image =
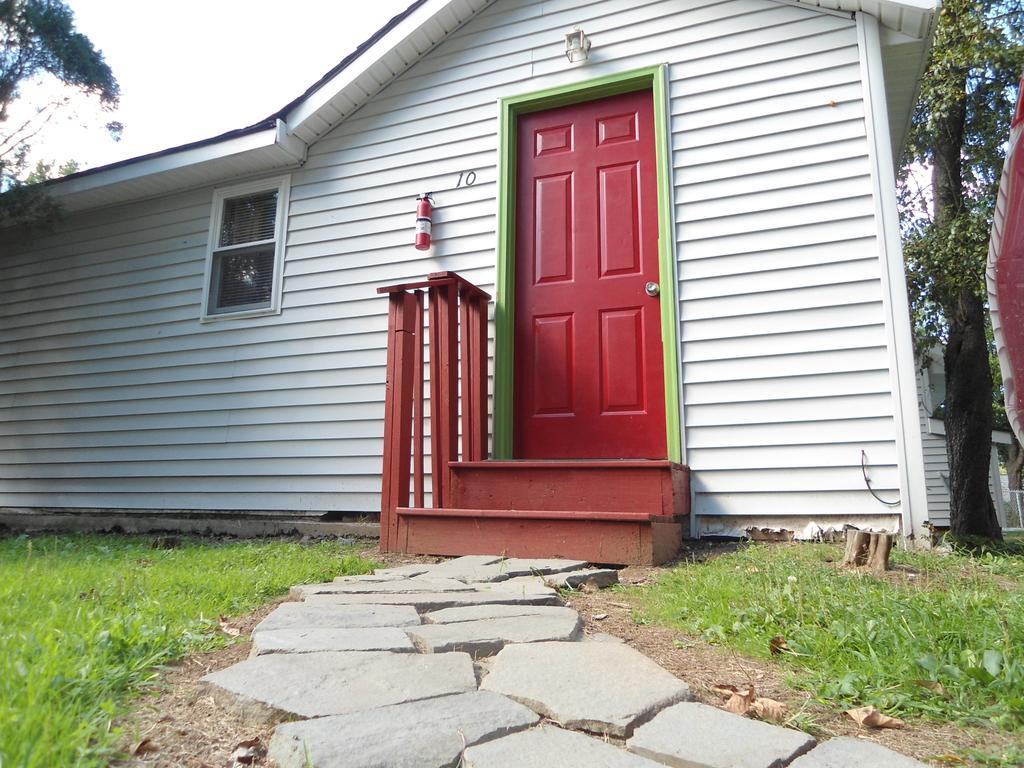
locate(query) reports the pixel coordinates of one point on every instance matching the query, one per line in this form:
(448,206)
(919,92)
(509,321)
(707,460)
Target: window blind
(248,219)
(243,278)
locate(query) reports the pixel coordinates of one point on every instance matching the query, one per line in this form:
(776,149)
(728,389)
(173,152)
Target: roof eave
(355,80)
(248,152)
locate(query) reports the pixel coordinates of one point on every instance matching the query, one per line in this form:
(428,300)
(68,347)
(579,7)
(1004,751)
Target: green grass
(947,644)
(86,620)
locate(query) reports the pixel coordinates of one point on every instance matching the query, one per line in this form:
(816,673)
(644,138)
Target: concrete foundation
(230,523)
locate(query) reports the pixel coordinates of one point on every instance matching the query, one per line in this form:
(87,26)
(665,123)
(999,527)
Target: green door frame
(654,79)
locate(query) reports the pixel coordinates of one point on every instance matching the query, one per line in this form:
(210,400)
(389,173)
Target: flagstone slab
(524,566)
(429,601)
(482,569)
(600,687)
(371,577)
(692,735)
(491,611)
(387,587)
(312,640)
(546,747)
(844,752)
(519,585)
(403,571)
(421,734)
(598,578)
(488,636)
(469,568)
(602,637)
(306,615)
(284,686)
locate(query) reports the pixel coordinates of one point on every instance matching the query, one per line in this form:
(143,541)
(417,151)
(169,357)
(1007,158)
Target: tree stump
(870,549)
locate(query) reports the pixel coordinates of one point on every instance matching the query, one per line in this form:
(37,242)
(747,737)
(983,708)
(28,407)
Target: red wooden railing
(458,316)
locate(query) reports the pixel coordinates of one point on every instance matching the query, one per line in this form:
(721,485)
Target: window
(244,260)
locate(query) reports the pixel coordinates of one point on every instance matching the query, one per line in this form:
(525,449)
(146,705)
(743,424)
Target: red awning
(1005,273)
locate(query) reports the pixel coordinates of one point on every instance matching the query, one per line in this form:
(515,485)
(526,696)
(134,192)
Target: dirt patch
(178,725)
(186,729)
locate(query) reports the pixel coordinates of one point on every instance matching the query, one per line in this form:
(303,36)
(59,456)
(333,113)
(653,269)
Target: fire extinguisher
(424,214)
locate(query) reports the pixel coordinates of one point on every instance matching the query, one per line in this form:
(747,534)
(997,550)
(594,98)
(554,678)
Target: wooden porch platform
(627,512)
(600,510)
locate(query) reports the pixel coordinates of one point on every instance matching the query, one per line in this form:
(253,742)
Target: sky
(190,69)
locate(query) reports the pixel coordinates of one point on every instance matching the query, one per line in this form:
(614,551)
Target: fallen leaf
(747,702)
(932,685)
(741,702)
(872,718)
(227,629)
(245,752)
(145,746)
(769,709)
(778,645)
(599,616)
(725,691)
(619,605)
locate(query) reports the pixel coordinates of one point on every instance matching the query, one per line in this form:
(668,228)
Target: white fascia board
(292,148)
(316,101)
(930,6)
(857,6)
(168,162)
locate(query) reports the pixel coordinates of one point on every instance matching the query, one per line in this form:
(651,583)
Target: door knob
(652,289)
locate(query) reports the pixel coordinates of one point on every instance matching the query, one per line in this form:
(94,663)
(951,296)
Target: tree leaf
(778,645)
(246,752)
(769,709)
(992,661)
(932,685)
(227,629)
(741,702)
(980,674)
(725,691)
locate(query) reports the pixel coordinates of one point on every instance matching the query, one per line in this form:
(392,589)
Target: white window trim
(283,186)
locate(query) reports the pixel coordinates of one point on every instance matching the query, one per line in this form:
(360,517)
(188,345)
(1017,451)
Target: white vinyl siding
(936,464)
(116,396)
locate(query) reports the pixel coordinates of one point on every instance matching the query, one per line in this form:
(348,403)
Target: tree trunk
(857,543)
(968,420)
(1014,464)
(870,549)
(968,404)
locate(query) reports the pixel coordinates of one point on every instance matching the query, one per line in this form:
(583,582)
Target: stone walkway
(476,662)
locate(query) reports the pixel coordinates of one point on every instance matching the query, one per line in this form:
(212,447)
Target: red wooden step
(634,488)
(598,537)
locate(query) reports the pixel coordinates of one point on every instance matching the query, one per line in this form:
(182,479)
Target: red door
(589,372)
